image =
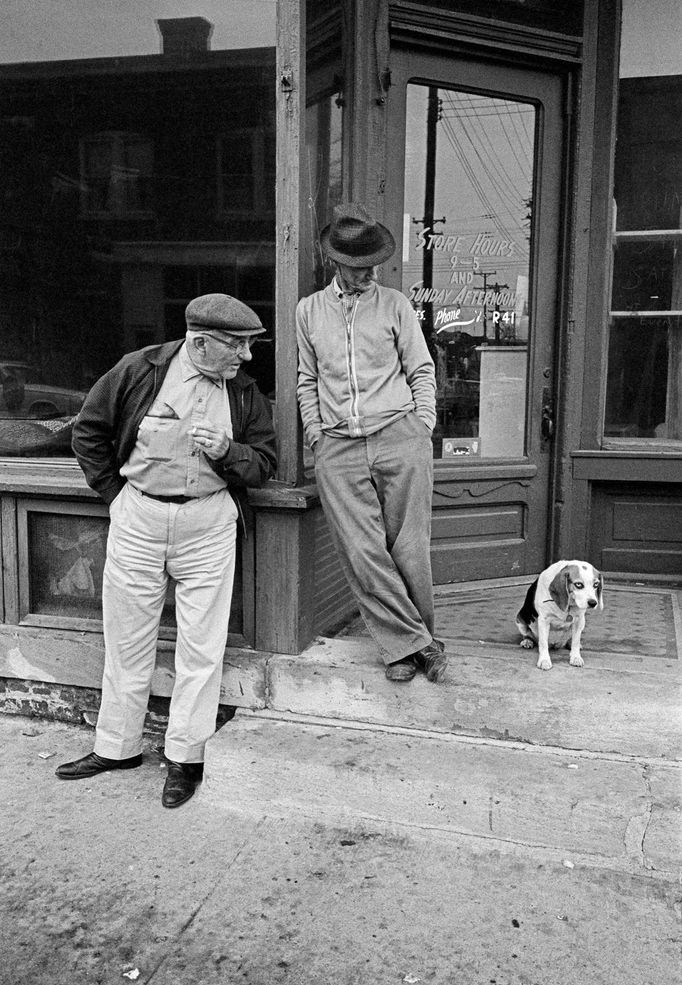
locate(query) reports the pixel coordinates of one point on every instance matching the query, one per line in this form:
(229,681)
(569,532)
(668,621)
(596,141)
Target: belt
(168,499)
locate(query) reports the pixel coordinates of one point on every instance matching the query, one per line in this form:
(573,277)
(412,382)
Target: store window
(644,376)
(136,170)
(116,172)
(469,172)
(323,176)
(246,171)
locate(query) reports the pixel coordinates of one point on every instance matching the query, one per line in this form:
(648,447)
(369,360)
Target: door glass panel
(469,166)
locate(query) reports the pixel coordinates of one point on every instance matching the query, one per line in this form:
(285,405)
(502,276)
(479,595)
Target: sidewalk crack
(197,909)
(638,826)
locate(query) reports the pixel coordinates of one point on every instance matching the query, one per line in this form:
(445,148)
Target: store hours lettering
(465,297)
(484,245)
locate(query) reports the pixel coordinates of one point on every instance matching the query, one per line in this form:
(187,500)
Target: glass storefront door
(466,260)
(477,191)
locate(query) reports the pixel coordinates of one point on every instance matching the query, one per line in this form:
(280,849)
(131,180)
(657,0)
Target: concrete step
(615,704)
(577,809)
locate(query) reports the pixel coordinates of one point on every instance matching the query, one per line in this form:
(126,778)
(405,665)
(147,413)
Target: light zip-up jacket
(361,365)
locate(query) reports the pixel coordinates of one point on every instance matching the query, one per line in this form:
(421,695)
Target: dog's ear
(600,589)
(558,588)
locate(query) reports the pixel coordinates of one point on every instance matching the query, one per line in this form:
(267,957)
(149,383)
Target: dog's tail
(528,613)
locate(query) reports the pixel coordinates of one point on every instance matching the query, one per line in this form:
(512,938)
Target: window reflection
(136,171)
(644,374)
(638,401)
(323,176)
(466,256)
(644,378)
(116,172)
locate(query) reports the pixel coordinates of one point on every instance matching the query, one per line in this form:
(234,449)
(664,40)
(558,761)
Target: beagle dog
(555,608)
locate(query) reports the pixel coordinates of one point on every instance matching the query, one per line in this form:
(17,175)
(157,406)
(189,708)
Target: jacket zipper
(350,357)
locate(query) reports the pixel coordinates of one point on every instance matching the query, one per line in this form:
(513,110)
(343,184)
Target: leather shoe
(432,660)
(180,783)
(92,764)
(402,670)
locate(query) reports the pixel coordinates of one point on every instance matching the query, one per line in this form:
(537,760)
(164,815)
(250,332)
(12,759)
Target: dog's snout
(592,603)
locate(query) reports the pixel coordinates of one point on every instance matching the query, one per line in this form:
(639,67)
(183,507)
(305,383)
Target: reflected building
(130,186)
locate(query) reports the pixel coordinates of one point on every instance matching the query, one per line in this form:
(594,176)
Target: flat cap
(221,313)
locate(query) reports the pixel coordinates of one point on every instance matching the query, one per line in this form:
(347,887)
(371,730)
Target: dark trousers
(376,493)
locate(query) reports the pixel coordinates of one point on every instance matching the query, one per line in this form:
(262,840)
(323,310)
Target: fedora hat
(356,239)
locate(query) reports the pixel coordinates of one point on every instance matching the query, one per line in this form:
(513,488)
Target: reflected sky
(651,35)
(43,30)
(482,185)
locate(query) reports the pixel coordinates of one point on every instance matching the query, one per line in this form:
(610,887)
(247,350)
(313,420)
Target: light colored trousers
(376,493)
(149,541)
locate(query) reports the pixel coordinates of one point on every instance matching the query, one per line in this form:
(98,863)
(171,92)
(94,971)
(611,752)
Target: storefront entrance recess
(476,189)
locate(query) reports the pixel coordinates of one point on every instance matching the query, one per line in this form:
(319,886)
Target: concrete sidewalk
(370,858)
(510,826)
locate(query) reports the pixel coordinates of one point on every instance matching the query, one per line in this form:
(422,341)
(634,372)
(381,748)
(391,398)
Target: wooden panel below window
(479,523)
(478,539)
(637,529)
(652,521)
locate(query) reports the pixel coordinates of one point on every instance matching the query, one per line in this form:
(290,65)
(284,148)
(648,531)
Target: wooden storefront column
(367,84)
(284,567)
(290,112)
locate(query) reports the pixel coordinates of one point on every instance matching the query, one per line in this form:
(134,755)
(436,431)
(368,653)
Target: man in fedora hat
(165,438)
(366,390)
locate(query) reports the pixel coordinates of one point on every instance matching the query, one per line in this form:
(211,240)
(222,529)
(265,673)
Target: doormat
(639,622)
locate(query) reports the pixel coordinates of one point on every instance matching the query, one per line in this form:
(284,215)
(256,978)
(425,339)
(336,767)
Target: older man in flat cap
(165,437)
(366,390)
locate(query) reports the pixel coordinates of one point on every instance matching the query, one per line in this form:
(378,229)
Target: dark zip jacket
(105,430)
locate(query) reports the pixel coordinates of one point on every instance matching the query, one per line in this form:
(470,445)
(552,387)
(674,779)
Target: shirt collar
(345,295)
(188,371)
(341,294)
(337,288)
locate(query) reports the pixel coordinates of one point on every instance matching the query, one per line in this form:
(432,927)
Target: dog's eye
(578,584)
(595,584)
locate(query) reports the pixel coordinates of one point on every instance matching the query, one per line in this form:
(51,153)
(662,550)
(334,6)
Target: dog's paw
(576,660)
(544,663)
(527,643)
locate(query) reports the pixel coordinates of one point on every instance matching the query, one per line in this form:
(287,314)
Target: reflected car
(24,393)
(36,418)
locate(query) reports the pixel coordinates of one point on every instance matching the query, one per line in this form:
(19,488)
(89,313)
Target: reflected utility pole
(485,274)
(432,117)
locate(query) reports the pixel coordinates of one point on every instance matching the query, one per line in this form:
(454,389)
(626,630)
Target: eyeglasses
(237,346)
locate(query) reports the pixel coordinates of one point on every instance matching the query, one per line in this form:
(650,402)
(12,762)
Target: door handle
(547,422)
